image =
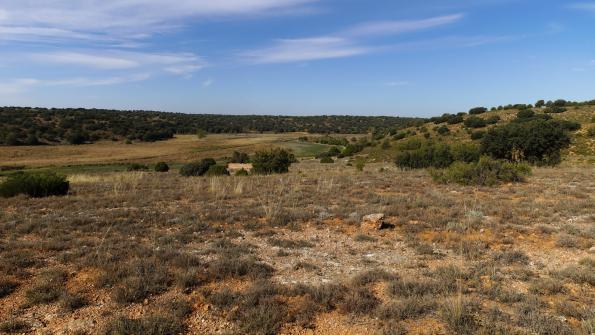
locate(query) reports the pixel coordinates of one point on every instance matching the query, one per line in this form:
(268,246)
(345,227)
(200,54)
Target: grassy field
(149,253)
(113,156)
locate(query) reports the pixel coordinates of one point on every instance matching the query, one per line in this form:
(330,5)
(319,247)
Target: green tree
(272,161)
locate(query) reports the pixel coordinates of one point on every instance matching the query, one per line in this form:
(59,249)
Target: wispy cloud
(299,50)
(24,84)
(346,43)
(131,19)
(208,83)
(177,64)
(400,27)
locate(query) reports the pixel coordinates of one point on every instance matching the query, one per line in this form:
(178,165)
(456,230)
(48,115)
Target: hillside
(581,149)
(34,126)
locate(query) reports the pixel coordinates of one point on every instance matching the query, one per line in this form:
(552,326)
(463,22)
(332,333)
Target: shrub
(77,138)
(555,110)
(327,160)
(591,131)
(537,141)
(525,114)
(427,155)
(137,167)
(35,185)
(493,119)
(272,161)
(456,119)
(475,122)
(217,170)
(477,110)
(161,167)
(197,168)
(478,134)
(443,130)
(465,152)
(240,157)
(486,172)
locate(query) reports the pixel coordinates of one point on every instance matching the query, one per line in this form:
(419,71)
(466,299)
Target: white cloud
(24,84)
(75,58)
(208,83)
(346,43)
(299,50)
(404,26)
(177,64)
(131,19)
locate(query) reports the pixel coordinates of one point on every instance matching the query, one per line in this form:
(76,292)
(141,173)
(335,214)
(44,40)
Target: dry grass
(182,148)
(154,253)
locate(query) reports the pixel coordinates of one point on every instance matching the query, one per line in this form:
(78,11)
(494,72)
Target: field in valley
(157,253)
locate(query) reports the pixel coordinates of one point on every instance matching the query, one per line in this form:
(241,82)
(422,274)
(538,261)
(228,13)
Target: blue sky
(295,57)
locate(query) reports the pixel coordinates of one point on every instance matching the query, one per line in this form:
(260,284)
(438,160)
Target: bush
(537,141)
(456,119)
(477,110)
(478,134)
(465,152)
(475,122)
(486,172)
(161,167)
(240,158)
(493,119)
(327,160)
(525,114)
(197,168)
(217,170)
(555,110)
(137,167)
(427,155)
(35,185)
(443,130)
(591,131)
(272,161)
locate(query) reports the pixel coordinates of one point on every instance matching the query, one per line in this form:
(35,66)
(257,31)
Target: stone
(373,221)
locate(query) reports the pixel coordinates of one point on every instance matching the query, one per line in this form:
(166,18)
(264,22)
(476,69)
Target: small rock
(592,250)
(373,221)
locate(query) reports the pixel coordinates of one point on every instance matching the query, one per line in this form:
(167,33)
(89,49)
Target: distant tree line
(34,126)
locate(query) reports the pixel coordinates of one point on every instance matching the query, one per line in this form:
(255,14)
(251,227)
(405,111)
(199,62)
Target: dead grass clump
(47,288)
(224,267)
(409,308)
(567,241)
(73,301)
(530,316)
(417,288)
(512,257)
(142,278)
(364,238)
(458,314)
(302,265)
(547,286)
(578,274)
(149,325)
(371,277)
(359,301)
(222,299)
(13,325)
(290,244)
